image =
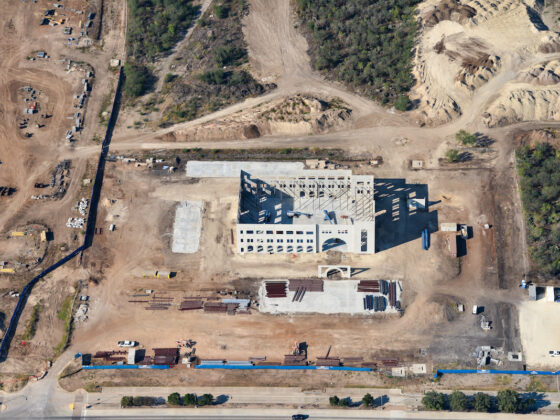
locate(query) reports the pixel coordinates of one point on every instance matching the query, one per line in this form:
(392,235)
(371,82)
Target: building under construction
(306,212)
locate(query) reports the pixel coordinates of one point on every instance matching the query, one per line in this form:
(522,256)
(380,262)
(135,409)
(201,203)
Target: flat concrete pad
(187,227)
(338,297)
(223,169)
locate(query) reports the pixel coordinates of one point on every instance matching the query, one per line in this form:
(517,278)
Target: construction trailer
(163,274)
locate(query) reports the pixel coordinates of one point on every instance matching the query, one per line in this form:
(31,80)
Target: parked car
(554,353)
(127,343)
(299,417)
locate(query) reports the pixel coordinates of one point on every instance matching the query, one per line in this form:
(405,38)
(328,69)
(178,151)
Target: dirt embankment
(533,96)
(297,115)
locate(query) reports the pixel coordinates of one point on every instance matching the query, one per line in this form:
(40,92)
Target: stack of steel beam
(312,285)
(215,307)
(275,289)
(368,286)
(393,294)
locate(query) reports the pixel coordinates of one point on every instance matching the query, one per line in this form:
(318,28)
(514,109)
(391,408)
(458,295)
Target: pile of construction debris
(82,206)
(487,354)
(76,223)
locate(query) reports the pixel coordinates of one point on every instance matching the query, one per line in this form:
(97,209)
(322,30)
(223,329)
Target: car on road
(299,417)
(554,353)
(127,343)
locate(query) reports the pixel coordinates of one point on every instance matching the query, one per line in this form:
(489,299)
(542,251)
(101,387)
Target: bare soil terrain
(140,202)
(31,150)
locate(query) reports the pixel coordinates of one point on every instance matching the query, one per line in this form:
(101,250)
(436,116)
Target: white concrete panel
(187,227)
(232,169)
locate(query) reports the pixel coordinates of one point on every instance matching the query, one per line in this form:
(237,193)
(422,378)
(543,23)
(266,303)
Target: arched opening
(336,244)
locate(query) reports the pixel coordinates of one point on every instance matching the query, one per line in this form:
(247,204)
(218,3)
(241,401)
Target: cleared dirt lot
(30,159)
(432,281)
(537,335)
(141,204)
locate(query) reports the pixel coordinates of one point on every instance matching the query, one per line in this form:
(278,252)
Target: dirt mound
(550,44)
(542,74)
(476,73)
(448,10)
(519,104)
(297,115)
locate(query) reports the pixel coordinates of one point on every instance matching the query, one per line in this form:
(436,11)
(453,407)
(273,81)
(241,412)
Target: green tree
(367,400)
(452,155)
(482,402)
(169,77)
(213,77)
(190,399)
(402,103)
(221,11)
(126,401)
(458,401)
(334,401)
(433,400)
(206,399)
(344,402)
(465,138)
(174,399)
(508,401)
(136,80)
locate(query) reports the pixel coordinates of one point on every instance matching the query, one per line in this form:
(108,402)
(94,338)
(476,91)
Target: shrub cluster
(507,401)
(367,45)
(154,26)
(539,171)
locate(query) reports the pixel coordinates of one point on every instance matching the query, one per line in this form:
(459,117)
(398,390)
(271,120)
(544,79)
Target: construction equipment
(296,351)
(485,324)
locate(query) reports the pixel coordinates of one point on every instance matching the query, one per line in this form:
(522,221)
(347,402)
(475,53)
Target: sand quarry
(477,55)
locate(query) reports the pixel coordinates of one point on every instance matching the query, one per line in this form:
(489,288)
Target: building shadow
(395,223)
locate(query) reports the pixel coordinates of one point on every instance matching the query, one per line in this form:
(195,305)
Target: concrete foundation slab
(187,227)
(232,169)
(339,296)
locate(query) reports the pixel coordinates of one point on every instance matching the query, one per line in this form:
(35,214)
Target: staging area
(330,297)
(428,283)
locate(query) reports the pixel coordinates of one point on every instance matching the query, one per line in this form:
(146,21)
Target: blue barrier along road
(281,367)
(497,372)
(108,367)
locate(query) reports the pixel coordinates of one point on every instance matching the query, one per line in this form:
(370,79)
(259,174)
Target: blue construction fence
(108,367)
(281,367)
(440,372)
